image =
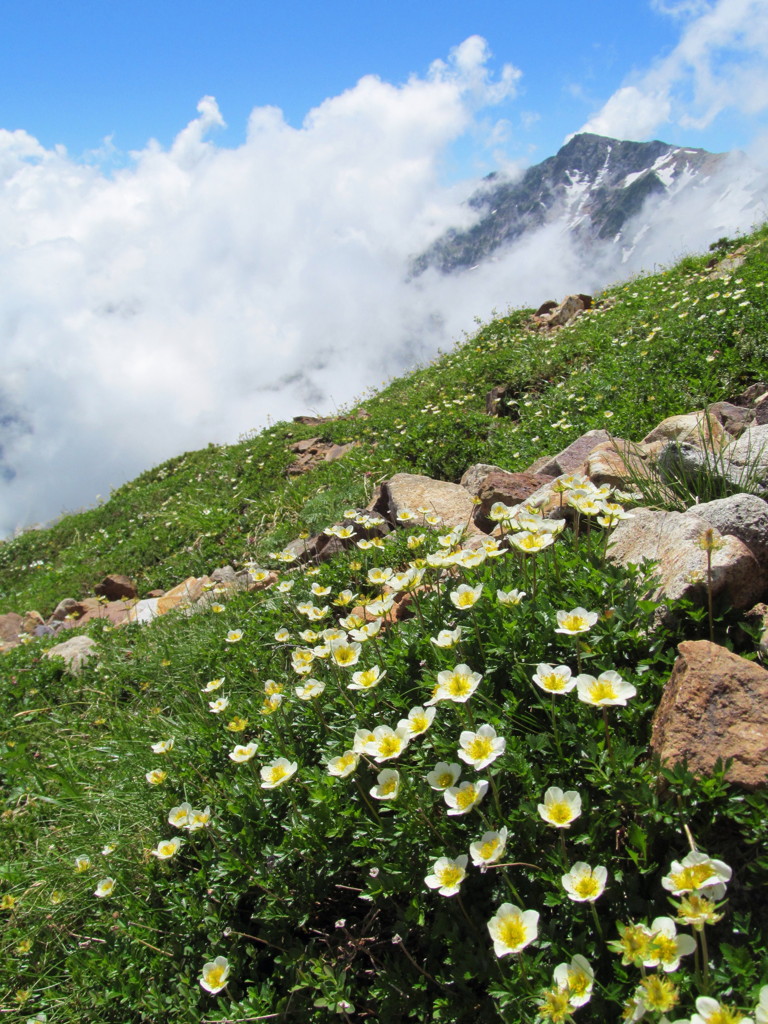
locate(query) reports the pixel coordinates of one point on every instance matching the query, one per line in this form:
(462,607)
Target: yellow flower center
(512,932)
(389,746)
(555,1005)
(445,780)
(450,875)
(345,656)
(459,686)
(277,772)
(388,787)
(560,813)
(465,798)
(466,599)
(553,681)
(368,677)
(725,1015)
(480,747)
(587,886)
(215,976)
(659,994)
(692,877)
(574,623)
(665,948)
(488,849)
(602,689)
(419,723)
(578,983)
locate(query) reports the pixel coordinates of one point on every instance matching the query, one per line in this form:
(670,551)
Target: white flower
(444,775)
(447,637)
(461,799)
(489,849)
(214,684)
(585,884)
(241,754)
(465,596)
(761,1010)
(418,721)
(368,679)
(282,635)
(447,875)
(387,785)
(512,929)
(345,654)
(277,772)
(554,679)
(104,888)
(482,747)
(217,706)
(198,819)
(179,816)
(577,978)
(163,747)
(310,690)
(666,948)
(697,871)
(608,689)
(343,765)
(710,1011)
(233,636)
(560,809)
(457,684)
(510,597)
(577,621)
(168,848)
(531,543)
(215,975)
(388,743)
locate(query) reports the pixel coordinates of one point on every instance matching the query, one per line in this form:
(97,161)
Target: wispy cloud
(719,64)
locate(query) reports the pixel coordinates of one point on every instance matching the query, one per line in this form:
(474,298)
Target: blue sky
(252,261)
(75,72)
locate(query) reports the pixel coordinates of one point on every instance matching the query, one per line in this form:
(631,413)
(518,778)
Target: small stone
(116,586)
(76,652)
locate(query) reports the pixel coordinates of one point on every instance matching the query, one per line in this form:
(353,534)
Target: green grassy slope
(316,891)
(671,343)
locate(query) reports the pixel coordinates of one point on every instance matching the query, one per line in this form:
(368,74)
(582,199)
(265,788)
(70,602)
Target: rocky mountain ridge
(593,186)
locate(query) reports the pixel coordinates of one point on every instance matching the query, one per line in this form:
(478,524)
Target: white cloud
(199,290)
(719,64)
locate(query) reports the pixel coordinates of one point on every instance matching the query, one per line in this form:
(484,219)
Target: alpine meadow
(370,764)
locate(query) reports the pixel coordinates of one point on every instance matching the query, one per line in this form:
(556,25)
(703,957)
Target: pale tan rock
(618,463)
(76,652)
(451,502)
(714,706)
(183,595)
(673,540)
(697,428)
(31,621)
(10,627)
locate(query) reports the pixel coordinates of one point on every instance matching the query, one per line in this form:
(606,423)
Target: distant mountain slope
(594,185)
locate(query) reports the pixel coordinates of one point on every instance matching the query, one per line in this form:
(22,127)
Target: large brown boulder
(116,587)
(508,488)
(714,706)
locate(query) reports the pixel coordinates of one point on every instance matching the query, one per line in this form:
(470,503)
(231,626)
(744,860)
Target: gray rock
(674,541)
(747,458)
(476,475)
(75,652)
(742,515)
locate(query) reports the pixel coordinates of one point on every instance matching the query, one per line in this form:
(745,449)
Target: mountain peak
(594,185)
